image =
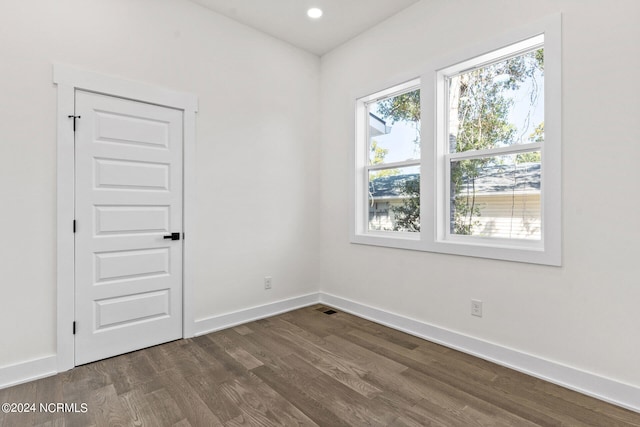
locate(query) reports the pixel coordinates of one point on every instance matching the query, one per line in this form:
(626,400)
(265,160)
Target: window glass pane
(496,197)
(394,199)
(394,128)
(497,105)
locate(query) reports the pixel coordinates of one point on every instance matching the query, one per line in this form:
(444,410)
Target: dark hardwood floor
(304,368)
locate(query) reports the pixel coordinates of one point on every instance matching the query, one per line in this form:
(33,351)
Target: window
(493,122)
(389,148)
(487,182)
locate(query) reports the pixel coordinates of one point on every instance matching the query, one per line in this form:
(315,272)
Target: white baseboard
(608,390)
(28,371)
(228,320)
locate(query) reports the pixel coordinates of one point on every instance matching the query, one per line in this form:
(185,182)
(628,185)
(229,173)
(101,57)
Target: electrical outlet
(476,307)
(267,282)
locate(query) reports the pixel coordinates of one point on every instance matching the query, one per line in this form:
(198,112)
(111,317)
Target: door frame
(69,79)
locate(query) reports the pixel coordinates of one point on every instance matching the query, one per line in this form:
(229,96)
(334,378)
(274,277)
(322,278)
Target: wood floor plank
(333,364)
(316,322)
(454,406)
(198,360)
(509,403)
(243,330)
(449,373)
(268,342)
(577,412)
(129,371)
(315,410)
(233,346)
(482,370)
(354,408)
(409,358)
(171,356)
(351,407)
(57,422)
(162,404)
(363,356)
(191,403)
(261,404)
(296,371)
(370,340)
(106,409)
(217,402)
(134,404)
(390,335)
(381,372)
(231,366)
(307,368)
(258,345)
(414,415)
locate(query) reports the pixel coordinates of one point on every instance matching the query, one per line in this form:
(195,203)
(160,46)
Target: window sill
(526,252)
(389,239)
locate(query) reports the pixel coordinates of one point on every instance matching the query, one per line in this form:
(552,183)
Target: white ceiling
(288,21)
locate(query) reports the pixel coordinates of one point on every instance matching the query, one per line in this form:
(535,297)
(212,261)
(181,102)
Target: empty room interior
(400,212)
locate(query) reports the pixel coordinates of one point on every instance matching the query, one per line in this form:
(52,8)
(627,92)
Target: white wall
(584,314)
(257,147)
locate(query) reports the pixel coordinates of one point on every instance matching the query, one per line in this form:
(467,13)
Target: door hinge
(74,225)
(74,120)
(74,327)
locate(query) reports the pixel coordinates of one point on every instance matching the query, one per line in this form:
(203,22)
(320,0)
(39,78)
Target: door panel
(126,129)
(129,309)
(131,219)
(128,197)
(131,264)
(131,175)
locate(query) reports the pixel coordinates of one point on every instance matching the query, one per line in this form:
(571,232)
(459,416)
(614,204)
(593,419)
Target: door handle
(173,236)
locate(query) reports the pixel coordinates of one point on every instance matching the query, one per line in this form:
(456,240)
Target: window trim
(546,251)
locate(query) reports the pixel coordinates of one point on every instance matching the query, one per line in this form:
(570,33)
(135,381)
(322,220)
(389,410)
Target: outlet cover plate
(476,308)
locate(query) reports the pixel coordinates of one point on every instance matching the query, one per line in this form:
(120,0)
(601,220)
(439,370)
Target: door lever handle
(173,236)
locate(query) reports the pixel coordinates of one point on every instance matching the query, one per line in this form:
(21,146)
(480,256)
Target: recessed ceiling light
(314,13)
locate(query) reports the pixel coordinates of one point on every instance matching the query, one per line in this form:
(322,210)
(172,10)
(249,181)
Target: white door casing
(137,305)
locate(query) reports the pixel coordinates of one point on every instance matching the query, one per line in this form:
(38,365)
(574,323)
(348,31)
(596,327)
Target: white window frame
(443,170)
(361,232)
(434,233)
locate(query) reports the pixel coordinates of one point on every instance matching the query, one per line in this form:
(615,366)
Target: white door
(128,271)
